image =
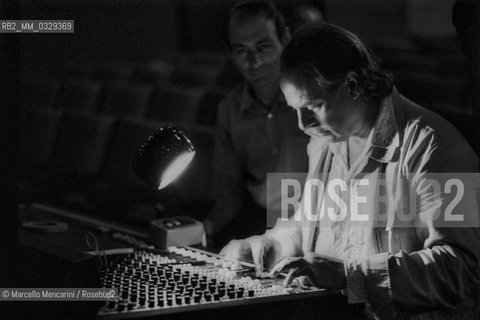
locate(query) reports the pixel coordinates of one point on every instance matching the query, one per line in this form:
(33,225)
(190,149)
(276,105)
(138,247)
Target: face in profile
(323,113)
(255,49)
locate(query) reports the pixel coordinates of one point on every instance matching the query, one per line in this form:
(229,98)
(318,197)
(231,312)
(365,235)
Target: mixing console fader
(179,279)
(173,284)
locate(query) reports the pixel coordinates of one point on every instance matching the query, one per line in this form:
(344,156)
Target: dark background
(75,107)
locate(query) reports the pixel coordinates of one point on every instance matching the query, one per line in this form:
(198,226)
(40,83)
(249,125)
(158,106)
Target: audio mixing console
(180,279)
(175,283)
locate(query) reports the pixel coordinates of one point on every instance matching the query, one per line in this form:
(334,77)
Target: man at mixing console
(256,131)
(411,264)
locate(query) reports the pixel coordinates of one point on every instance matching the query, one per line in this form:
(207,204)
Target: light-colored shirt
(410,269)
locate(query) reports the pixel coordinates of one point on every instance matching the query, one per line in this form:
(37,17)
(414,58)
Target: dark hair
(247,8)
(325,54)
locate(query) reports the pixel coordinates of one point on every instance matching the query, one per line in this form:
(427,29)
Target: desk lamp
(159,161)
(163,157)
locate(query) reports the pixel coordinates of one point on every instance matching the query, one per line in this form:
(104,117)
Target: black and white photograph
(240,159)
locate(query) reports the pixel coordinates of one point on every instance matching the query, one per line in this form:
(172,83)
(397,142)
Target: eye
(239,51)
(264,47)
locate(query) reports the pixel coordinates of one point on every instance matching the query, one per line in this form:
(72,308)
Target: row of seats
(102,147)
(183,87)
(163,102)
(427,76)
(81,128)
(195,69)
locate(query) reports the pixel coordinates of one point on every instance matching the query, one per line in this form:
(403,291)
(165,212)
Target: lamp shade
(163,157)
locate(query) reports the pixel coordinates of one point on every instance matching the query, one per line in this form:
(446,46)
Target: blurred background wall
(87,100)
(129,30)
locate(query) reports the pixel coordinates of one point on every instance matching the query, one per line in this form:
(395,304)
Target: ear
(352,82)
(286,37)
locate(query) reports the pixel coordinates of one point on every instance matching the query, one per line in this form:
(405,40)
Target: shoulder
(413,119)
(233,97)
(230,105)
(432,138)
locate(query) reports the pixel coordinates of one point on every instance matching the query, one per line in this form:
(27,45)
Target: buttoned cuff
(368,280)
(355,291)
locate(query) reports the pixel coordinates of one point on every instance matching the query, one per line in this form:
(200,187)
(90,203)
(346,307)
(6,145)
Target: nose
(306,118)
(253,59)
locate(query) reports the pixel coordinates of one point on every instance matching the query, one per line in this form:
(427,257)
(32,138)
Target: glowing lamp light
(163,157)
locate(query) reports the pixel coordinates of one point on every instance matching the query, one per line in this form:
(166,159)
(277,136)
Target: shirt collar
(386,141)
(383,141)
(247,101)
(250,102)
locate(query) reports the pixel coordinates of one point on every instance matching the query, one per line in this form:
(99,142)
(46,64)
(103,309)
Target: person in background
(256,130)
(409,265)
(305,14)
